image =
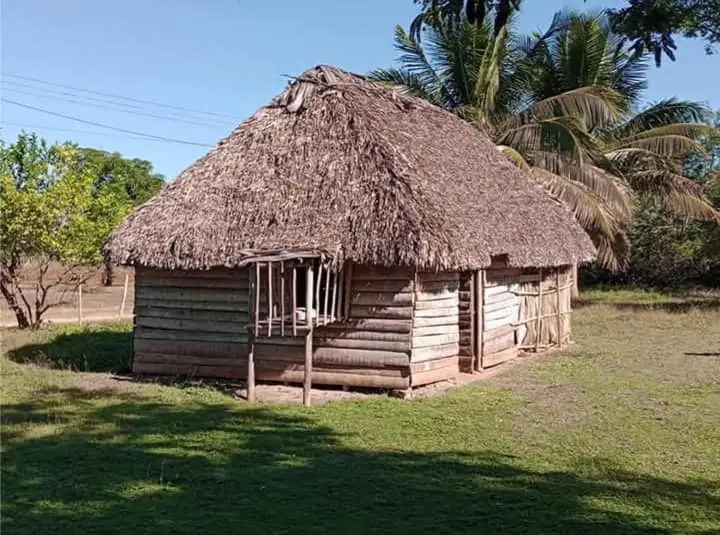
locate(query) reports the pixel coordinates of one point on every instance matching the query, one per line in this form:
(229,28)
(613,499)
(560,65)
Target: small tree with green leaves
(51,211)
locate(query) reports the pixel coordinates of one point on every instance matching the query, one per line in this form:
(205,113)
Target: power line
(100,125)
(78,131)
(113,107)
(121,97)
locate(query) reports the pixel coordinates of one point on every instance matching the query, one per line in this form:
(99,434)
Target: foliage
(618,434)
(652,25)
(563,106)
(54,210)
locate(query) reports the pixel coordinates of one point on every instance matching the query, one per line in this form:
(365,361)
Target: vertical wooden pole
(270,299)
(347,291)
(80,315)
(251,369)
(294,300)
(473,324)
(307,383)
(559,311)
(124,297)
(341,292)
(538,323)
(480,300)
(317,293)
(327,295)
(282,298)
(256,313)
(333,314)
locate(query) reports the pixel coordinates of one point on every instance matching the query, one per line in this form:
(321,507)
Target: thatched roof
(341,165)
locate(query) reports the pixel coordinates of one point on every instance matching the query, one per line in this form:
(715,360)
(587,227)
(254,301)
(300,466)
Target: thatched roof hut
(341,165)
(347,234)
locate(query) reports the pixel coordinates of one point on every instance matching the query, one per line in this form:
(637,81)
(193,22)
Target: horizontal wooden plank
(435,340)
(495,289)
(215,273)
(498,358)
(370,345)
(379,325)
(427,365)
(504,305)
(277,340)
(200,349)
(434,352)
(438,312)
(188,360)
(357,334)
(192,314)
(435,321)
(333,378)
(439,276)
(432,287)
(396,286)
(512,312)
(499,343)
(192,305)
(505,297)
(185,370)
(497,333)
(433,376)
(364,273)
(448,302)
(170,293)
(433,330)
(381,298)
(491,325)
(173,324)
(402,371)
(432,297)
(360,357)
(180,280)
(149,333)
(357,311)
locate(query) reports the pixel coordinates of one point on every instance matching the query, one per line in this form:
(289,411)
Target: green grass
(618,434)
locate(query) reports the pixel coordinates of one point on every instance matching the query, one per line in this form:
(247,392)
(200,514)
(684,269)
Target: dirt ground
(99,302)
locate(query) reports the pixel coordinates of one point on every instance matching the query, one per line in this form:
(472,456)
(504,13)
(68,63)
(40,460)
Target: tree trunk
(108,274)
(22,320)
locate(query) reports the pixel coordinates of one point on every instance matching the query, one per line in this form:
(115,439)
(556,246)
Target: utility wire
(78,131)
(109,127)
(113,107)
(121,97)
(48,92)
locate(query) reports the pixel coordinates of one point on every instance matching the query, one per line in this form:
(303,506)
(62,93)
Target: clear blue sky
(222,56)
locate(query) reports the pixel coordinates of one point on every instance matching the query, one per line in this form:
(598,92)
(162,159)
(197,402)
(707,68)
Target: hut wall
(371,348)
(436,327)
(191,322)
(501,309)
(547,279)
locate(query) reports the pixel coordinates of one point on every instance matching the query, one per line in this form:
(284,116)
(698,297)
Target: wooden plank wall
(466,350)
(436,327)
(501,308)
(191,322)
(369,349)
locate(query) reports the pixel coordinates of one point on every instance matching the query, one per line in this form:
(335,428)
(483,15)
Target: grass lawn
(618,434)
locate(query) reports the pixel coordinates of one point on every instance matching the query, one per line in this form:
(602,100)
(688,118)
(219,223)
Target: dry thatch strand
(340,166)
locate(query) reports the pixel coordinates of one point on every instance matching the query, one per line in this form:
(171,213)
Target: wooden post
(339,311)
(347,291)
(294,300)
(473,319)
(327,295)
(282,298)
(80,315)
(307,383)
(251,369)
(124,297)
(317,293)
(334,296)
(270,299)
(480,302)
(557,303)
(538,324)
(257,300)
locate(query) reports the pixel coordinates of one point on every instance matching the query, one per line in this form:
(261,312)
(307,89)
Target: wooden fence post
(124,296)
(538,324)
(307,382)
(557,304)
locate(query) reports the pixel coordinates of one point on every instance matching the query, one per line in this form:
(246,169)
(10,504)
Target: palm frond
(663,113)
(407,83)
(666,146)
(515,157)
(690,206)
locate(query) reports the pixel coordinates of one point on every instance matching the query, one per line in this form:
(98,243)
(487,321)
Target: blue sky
(228,57)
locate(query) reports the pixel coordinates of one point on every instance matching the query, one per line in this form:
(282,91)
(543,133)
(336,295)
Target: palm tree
(562,106)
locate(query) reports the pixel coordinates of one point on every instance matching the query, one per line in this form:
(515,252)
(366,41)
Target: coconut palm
(560,105)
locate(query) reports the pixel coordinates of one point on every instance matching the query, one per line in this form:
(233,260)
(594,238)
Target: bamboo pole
(327,295)
(251,369)
(282,298)
(473,319)
(538,325)
(480,299)
(347,291)
(334,296)
(339,311)
(257,300)
(317,293)
(294,300)
(557,303)
(80,315)
(270,299)
(124,296)
(307,382)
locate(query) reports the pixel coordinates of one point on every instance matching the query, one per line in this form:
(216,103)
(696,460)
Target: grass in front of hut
(617,434)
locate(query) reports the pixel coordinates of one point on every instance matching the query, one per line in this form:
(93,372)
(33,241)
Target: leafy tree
(650,25)
(53,212)
(562,105)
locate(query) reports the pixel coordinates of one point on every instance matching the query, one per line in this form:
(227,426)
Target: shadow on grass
(131,466)
(90,350)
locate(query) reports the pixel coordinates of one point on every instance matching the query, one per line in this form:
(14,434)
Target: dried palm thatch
(340,166)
